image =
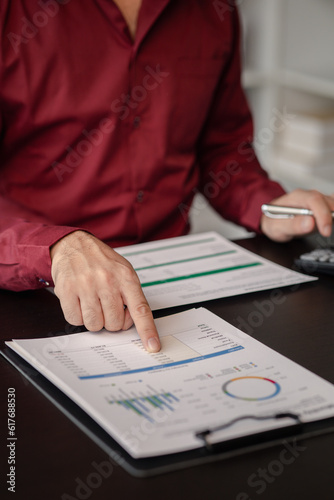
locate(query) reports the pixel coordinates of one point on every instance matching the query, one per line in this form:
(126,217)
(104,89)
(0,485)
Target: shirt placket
(136,97)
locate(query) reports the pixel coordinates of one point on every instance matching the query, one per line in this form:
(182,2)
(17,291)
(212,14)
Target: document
(200,267)
(208,373)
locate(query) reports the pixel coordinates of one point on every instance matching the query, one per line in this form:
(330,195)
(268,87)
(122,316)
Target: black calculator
(320,260)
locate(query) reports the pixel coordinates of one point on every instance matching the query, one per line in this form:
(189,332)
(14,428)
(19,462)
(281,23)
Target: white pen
(279,212)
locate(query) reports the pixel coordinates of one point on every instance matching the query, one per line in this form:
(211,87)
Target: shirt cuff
(36,259)
(252,217)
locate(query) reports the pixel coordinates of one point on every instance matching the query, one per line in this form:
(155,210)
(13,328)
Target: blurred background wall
(288,76)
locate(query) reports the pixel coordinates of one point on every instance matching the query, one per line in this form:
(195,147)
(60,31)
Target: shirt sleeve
(231,177)
(25,240)
(25,237)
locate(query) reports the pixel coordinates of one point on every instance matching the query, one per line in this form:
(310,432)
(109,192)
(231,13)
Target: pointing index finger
(143,319)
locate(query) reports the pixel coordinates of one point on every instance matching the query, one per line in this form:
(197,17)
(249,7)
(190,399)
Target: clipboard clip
(204,434)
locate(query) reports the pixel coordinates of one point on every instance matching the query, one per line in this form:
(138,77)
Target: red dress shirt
(114,136)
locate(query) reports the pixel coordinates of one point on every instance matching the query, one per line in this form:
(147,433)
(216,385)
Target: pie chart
(251,388)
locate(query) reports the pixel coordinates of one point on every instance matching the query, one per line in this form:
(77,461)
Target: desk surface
(55,460)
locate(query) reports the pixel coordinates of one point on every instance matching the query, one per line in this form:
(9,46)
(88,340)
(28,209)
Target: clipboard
(147,467)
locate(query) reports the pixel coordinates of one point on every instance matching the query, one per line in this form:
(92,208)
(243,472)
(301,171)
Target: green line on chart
(208,240)
(185,260)
(199,275)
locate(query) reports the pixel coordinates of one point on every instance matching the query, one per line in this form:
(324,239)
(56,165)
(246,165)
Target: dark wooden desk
(54,456)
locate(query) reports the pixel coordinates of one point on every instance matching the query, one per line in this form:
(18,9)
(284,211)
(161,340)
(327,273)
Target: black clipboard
(146,467)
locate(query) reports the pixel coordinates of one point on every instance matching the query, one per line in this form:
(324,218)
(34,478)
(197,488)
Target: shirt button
(140,196)
(136,121)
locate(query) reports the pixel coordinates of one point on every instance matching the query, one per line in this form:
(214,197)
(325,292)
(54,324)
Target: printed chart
(199,267)
(145,404)
(207,374)
(251,388)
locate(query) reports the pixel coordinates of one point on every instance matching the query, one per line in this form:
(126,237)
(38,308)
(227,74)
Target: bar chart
(146,404)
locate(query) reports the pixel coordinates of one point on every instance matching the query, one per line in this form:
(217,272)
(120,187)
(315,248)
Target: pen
(279,212)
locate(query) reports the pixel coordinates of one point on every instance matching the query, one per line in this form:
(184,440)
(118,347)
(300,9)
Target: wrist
(67,241)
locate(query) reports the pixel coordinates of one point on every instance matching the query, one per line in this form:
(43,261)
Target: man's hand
(286,229)
(94,283)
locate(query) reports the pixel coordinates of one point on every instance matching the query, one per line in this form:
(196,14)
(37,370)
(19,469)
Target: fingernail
(153,344)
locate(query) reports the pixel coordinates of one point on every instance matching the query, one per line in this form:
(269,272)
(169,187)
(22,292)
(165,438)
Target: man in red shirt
(113,114)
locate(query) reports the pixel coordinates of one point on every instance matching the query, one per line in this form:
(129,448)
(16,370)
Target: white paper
(207,373)
(195,268)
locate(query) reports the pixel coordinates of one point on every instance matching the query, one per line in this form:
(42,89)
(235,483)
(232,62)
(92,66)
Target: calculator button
(324,258)
(319,253)
(320,260)
(308,256)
